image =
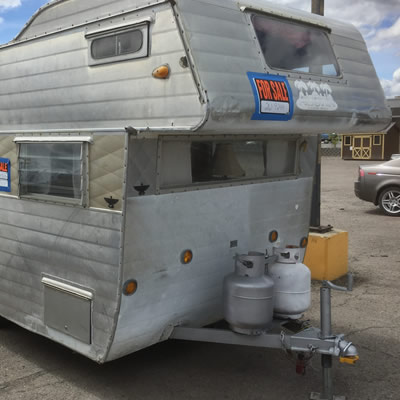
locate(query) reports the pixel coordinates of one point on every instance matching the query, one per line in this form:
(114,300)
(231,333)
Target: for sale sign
(5,175)
(273,97)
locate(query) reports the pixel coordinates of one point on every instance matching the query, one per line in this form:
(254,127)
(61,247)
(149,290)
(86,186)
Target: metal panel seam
(203,97)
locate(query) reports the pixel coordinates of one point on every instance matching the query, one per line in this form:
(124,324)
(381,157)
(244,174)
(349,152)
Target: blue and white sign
(5,175)
(273,97)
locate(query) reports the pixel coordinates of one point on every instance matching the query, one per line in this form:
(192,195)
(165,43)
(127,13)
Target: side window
(377,140)
(53,171)
(347,140)
(118,45)
(295,47)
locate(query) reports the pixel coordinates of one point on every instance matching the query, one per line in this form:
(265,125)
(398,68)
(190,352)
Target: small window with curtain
(118,44)
(52,171)
(295,47)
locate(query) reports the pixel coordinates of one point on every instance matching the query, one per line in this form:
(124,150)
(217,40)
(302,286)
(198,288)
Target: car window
(393,163)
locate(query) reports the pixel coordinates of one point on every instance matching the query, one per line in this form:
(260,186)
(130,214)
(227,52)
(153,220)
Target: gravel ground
(32,367)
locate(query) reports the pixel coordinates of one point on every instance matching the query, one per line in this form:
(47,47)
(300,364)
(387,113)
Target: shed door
(362,147)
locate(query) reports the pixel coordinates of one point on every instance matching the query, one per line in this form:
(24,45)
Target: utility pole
(317,7)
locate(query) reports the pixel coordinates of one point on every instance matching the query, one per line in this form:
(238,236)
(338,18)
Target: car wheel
(389,201)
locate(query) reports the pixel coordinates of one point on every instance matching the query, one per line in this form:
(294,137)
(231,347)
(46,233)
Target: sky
(378,21)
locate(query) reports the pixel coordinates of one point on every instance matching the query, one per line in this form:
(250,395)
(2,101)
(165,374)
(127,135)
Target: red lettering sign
(271,90)
(3,167)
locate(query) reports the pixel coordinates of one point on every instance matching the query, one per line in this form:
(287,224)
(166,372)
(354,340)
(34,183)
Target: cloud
(359,12)
(378,21)
(7,4)
(386,38)
(392,87)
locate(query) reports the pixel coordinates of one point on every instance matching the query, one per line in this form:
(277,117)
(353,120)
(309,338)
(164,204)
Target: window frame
(84,142)
(229,183)
(142,26)
(298,74)
(380,140)
(344,140)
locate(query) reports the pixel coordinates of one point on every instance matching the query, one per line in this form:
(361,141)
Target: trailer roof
(58,15)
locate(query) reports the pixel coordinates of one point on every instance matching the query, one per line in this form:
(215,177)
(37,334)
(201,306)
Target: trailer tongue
(293,335)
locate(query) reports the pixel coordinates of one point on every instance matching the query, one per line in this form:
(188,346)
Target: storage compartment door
(68,309)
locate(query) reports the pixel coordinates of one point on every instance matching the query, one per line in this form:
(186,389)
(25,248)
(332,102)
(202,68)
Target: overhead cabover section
(269,69)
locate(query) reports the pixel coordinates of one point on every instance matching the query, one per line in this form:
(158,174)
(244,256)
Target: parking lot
(32,367)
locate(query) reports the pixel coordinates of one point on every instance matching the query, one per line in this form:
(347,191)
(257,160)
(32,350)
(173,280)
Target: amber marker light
(186,257)
(162,72)
(130,287)
(273,236)
(303,242)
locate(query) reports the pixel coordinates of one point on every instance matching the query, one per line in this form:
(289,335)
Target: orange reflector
(349,360)
(186,257)
(303,242)
(162,72)
(130,287)
(273,236)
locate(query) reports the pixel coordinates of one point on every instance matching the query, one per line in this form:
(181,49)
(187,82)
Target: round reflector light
(186,256)
(162,72)
(130,287)
(273,236)
(303,242)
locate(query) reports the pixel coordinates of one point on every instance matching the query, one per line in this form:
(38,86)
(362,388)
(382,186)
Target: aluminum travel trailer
(145,143)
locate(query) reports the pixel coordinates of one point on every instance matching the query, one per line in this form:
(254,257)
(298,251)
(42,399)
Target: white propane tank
(248,295)
(292,279)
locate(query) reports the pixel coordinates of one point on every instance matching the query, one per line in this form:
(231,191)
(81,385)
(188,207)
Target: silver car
(380,184)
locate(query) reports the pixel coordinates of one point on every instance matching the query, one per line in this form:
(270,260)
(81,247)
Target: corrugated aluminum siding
(78,246)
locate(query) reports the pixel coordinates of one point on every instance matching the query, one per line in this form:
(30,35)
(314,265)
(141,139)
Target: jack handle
(348,288)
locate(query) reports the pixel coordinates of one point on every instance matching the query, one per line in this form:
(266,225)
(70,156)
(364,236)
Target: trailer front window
(209,162)
(53,169)
(295,47)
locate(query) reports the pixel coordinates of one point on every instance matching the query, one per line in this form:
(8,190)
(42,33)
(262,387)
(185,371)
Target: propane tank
(292,279)
(248,295)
